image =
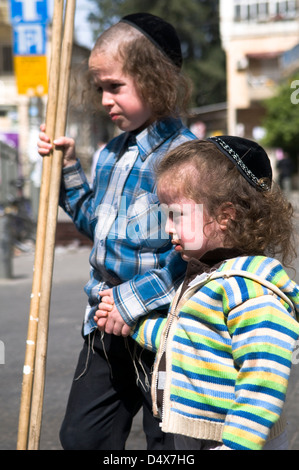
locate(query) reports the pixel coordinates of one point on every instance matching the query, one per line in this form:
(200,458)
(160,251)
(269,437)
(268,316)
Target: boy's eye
(97,88)
(115,86)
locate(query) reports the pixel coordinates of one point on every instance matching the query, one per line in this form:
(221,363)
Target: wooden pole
(60,127)
(30,352)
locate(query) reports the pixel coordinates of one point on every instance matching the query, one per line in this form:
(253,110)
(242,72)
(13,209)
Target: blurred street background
(242,57)
(65,342)
(66,314)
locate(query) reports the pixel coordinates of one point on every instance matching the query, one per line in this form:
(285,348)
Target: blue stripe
(263,369)
(205,378)
(266,324)
(243,288)
(260,404)
(250,416)
(191,415)
(200,302)
(275,271)
(207,360)
(197,328)
(230,294)
(207,391)
(156,329)
(267,356)
(247,263)
(234,445)
(201,346)
(198,405)
(245,428)
(264,339)
(211,293)
(262,304)
(263,266)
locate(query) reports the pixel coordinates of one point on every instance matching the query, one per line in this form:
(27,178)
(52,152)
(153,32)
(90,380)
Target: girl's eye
(177,215)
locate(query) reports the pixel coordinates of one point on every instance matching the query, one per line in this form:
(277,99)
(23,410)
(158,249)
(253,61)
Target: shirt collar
(154,135)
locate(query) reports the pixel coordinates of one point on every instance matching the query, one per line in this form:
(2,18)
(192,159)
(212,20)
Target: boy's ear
(226,212)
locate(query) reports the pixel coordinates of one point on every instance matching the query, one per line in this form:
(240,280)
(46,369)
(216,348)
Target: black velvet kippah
(159,32)
(249,157)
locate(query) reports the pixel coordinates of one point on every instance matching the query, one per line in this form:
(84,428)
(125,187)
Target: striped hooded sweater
(224,353)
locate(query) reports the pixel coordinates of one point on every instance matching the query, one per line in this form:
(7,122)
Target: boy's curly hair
(160,83)
(262,221)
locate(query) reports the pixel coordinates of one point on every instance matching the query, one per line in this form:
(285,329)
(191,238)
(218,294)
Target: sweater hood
(266,271)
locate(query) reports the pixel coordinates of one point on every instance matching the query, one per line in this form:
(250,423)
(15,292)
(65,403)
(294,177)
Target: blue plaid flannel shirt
(120,213)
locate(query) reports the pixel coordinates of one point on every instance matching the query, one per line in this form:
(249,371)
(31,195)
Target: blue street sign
(31,11)
(29,22)
(30,39)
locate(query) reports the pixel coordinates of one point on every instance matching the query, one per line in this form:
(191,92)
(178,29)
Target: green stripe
(203,340)
(216,374)
(240,441)
(193,309)
(204,399)
(263,348)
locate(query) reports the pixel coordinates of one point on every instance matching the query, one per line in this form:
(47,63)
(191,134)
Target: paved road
(67,307)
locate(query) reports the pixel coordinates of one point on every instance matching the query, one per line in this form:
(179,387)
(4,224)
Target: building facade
(255,36)
(22,114)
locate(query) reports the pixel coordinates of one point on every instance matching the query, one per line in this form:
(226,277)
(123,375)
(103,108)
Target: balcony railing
(261,87)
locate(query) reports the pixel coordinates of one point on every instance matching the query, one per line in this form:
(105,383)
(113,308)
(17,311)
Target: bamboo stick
(30,352)
(42,340)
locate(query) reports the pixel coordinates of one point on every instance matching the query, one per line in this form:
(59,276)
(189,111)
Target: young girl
(224,353)
(136,68)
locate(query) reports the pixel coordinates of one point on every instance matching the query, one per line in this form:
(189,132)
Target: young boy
(224,353)
(136,67)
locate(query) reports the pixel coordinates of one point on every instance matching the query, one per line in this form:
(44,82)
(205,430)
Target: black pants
(105,397)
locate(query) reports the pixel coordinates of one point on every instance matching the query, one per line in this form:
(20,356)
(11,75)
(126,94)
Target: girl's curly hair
(262,221)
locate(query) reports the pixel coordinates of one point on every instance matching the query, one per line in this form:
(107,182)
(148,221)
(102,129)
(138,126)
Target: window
(6,62)
(253,10)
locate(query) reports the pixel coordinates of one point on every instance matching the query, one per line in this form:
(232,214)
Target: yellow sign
(31,75)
